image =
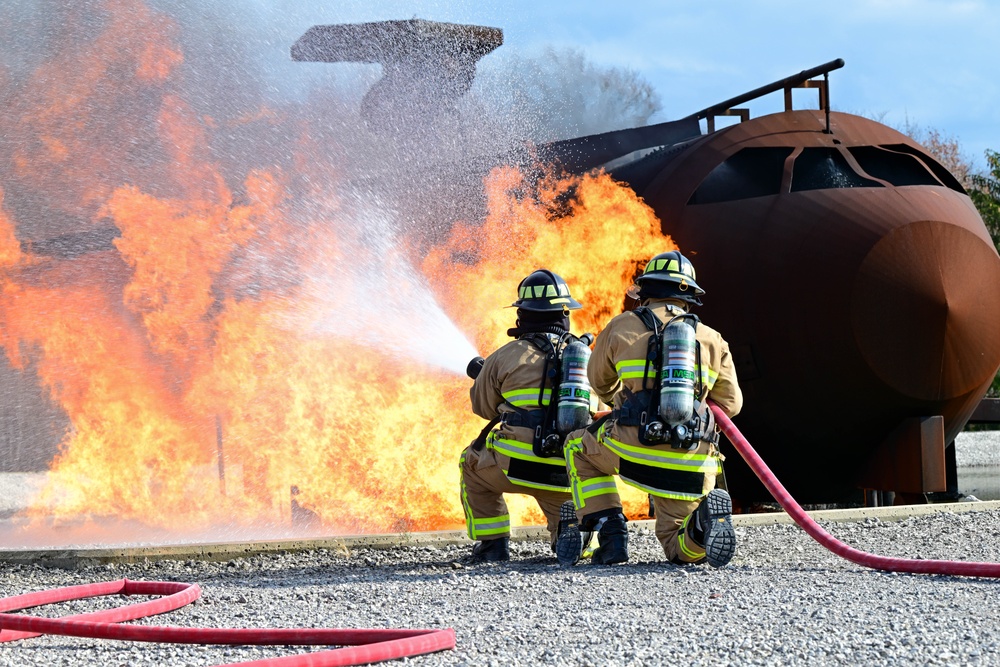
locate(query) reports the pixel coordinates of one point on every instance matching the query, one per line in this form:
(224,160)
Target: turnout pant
(483,484)
(591,467)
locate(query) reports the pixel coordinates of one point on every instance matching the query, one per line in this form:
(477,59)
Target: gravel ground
(784,600)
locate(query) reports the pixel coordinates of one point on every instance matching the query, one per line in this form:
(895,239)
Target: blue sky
(926,62)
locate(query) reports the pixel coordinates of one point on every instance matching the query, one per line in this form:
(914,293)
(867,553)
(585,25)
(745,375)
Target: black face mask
(530,321)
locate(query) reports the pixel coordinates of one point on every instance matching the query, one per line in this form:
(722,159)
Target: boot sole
(720,537)
(569,542)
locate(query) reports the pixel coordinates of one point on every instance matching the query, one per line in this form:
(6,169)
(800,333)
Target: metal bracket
(744,115)
(821,84)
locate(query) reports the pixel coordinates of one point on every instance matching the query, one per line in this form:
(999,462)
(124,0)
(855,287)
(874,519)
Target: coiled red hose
(365,646)
(176,595)
(794,510)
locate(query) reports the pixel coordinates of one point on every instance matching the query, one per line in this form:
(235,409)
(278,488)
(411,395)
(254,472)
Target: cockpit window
(758,171)
(942,174)
(752,172)
(892,167)
(826,168)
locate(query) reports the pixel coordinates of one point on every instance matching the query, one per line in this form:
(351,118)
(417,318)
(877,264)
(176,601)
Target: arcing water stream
(385,303)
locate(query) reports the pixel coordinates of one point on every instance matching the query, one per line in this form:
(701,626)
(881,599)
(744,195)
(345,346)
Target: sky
(926,63)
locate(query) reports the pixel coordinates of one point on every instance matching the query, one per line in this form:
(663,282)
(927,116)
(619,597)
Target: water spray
(380,300)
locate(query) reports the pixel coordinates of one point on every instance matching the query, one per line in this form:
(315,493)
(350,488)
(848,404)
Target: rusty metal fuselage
(856,284)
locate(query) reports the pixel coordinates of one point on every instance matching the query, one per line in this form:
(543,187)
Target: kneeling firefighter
(657,365)
(534,391)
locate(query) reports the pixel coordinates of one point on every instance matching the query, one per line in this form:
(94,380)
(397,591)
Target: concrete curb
(225,551)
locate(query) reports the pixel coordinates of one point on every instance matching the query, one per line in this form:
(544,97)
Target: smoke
(558,94)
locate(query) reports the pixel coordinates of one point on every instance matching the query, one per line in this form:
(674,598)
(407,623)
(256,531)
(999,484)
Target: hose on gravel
(360,646)
(794,510)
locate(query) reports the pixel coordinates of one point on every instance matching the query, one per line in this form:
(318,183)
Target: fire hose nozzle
(475,367)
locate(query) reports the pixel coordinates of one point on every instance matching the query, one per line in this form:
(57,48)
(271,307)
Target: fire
(229,362)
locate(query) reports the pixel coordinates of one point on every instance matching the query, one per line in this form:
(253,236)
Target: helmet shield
(544,291)
(672,267)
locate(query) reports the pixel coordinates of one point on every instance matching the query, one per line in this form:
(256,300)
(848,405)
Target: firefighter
(518,452)
(675,464)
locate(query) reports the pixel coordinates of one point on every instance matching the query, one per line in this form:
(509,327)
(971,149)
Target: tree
(985,192)
(943,148)
(984,189)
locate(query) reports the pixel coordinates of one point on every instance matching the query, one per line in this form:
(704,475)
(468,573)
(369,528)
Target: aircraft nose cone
(926,310)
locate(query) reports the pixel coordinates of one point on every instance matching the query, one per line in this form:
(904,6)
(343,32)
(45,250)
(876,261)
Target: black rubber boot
(491,550)
(612,539)
(569,541)
(714,521)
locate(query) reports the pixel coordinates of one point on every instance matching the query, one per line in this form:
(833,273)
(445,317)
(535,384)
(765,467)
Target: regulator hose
(794,510)
(365,646)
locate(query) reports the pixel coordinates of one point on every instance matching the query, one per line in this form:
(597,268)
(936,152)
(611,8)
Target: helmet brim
(674,278)
(547,305)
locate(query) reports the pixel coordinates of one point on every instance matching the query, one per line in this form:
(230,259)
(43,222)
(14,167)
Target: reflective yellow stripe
(520,398)
(490,525)
(573,446)
(674,495)
(477,527)
(597,486)
(465,497)
(581,490)
(673,460)
(708,376)
(634,368)
(519,450)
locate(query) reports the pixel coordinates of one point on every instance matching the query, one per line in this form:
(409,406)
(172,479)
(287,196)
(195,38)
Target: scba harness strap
(635,411)
(642,408)
(547,441)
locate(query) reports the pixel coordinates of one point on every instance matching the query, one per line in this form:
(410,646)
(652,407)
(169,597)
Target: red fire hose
(952,567)
(366,646)
(176,595)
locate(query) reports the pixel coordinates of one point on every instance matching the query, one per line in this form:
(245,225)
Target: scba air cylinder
(573,405)
(677,380)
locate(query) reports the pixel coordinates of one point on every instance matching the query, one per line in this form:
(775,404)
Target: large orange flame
(202,382)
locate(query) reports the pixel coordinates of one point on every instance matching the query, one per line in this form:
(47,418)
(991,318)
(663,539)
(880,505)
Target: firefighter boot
(612,539)
(570,540)
(714,528)
(491,550)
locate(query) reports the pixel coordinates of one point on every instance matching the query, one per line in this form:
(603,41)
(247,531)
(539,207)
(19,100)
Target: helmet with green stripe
(544,291)
(672,267)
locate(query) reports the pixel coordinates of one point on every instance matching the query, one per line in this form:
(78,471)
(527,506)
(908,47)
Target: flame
(203,382)
(597,246)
